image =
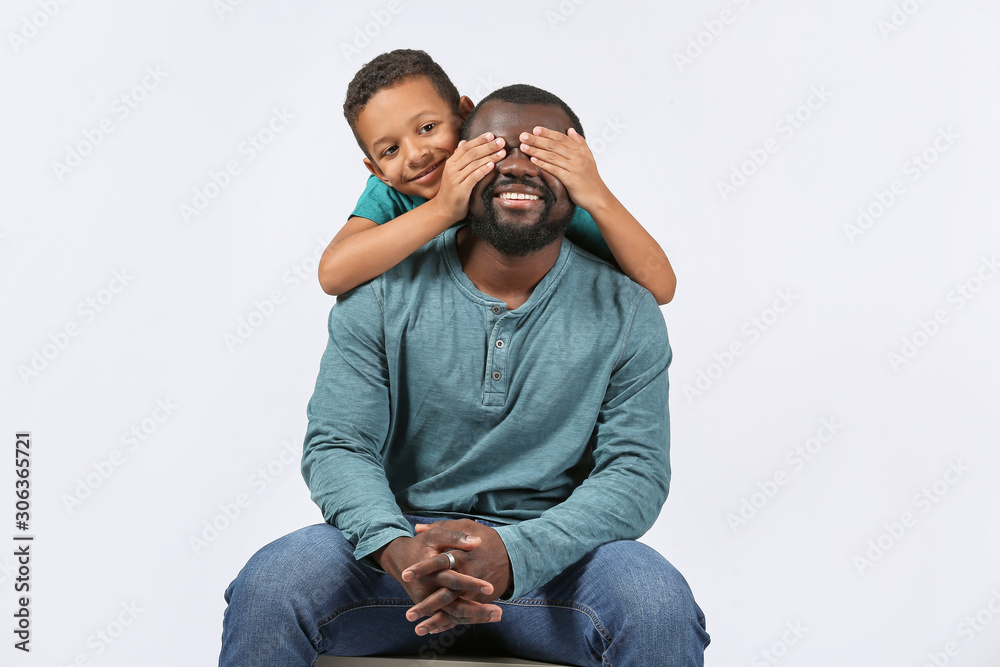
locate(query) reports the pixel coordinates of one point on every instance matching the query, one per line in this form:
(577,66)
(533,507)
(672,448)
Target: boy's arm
(568,158)
(363,250)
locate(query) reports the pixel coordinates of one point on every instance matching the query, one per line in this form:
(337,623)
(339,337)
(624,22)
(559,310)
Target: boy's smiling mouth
(426,175)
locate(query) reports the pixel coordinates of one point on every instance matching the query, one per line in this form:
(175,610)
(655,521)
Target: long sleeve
(348,423)
(628,484)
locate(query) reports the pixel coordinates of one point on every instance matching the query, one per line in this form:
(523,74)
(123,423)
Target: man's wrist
(379,555)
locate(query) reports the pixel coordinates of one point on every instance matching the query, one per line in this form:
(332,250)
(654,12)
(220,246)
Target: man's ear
(465,107)
(376,172)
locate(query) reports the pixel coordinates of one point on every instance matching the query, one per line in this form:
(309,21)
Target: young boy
(407,115)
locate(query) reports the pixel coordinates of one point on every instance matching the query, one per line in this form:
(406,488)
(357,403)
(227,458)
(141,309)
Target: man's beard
(516,238)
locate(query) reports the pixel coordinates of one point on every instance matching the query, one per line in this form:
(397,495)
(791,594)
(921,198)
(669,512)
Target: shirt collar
(449,245)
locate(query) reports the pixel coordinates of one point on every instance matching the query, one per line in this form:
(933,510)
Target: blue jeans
(304,595)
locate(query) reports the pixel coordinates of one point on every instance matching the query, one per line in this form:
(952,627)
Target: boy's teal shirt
(380,204)
(435,399)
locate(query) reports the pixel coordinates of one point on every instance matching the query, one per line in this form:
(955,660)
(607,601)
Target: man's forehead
(496,116)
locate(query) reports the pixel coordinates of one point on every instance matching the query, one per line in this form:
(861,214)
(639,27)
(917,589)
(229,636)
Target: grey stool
(330,661)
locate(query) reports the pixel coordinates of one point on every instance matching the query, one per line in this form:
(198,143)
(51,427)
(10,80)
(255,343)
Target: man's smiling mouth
(517,195)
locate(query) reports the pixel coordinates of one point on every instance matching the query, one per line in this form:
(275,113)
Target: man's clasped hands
(449,596)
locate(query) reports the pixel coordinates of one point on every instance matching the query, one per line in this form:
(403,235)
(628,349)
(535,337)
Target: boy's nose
(416,152)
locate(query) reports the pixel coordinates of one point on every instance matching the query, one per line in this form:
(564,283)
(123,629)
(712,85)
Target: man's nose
(516,163)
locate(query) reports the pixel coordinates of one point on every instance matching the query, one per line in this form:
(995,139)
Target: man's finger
(464,611)
(464,583)
(460,612)
(446,576)
(454,539)
(439,622)
(427,566)
(445,538)
(432,603)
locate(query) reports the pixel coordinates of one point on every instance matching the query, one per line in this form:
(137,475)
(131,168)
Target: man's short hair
(391,69)
(522,93)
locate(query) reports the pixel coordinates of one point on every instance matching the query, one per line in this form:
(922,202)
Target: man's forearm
(348,424)
(353,494)
(541,548)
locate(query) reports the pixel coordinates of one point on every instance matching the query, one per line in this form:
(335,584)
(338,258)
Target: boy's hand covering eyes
(568,158)
(467,165)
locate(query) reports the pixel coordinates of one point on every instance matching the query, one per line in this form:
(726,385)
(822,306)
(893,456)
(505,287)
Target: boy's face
(409,131)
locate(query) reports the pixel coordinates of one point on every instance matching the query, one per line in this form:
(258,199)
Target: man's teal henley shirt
(435,399)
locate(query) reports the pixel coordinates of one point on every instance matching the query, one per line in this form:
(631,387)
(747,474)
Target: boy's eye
(389,151)
(428,127)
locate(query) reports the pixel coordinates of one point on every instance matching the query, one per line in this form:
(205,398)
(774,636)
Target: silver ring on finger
(451,560)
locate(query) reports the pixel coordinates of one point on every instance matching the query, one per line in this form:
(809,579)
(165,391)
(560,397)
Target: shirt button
(496,310)
(499,343)
(496,375)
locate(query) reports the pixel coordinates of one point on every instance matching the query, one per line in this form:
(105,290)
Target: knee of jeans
(649,586)
(291,563)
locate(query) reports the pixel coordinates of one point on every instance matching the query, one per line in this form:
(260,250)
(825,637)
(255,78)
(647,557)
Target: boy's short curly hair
(390,69)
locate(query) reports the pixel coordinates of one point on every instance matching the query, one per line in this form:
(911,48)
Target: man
(499,385)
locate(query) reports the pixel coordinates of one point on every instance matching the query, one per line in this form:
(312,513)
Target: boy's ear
(376,172)
(465,107)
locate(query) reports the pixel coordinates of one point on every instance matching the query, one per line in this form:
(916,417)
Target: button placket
(496,380)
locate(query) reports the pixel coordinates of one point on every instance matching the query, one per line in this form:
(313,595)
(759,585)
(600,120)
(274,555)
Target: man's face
(518,208)
(409,131)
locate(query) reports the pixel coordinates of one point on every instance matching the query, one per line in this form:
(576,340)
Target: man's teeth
(516,195)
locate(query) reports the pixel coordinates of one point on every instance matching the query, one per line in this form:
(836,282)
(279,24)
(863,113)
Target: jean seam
(566,604)
(373,602)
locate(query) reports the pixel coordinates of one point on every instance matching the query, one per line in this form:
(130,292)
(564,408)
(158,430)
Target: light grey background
(885,82)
